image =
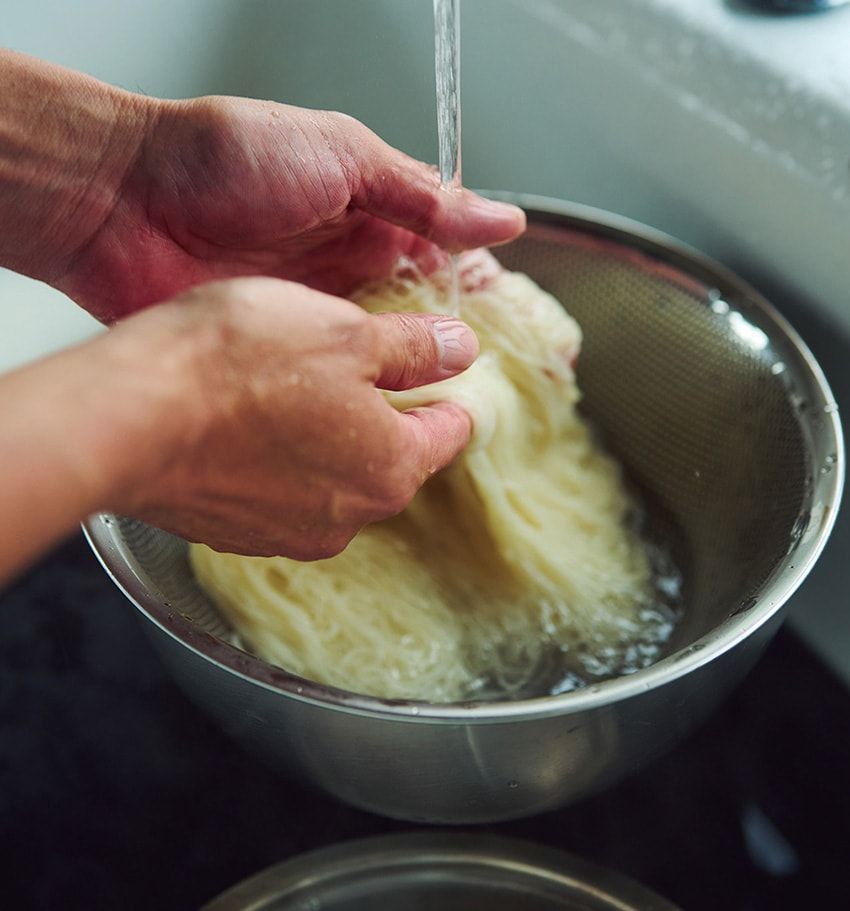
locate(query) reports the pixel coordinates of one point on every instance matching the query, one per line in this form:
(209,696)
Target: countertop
(117,793)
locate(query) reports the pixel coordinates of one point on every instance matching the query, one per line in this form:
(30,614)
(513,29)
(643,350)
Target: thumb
(396,188)
(421,348)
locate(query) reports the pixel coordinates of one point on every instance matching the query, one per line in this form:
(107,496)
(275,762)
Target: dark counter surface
(117,793)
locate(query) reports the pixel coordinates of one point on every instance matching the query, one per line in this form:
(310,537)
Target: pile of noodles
(507,567)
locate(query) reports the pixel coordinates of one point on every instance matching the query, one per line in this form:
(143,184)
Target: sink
(724,126)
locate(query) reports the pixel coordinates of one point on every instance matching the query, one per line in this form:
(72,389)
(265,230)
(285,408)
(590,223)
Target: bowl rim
(448,856)
(101,529)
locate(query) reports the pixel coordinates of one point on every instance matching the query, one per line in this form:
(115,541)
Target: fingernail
(457,343)
(496,211)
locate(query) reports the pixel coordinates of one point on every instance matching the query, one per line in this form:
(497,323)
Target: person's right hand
(244,414)
(290,449)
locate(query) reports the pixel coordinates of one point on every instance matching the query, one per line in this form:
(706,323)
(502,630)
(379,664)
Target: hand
(121,200)
(291,449)
(184,413)
(227,187)
(243,414)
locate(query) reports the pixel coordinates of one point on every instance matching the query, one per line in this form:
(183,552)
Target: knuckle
(428,207)
(418,337)
(359,332)
(330,546)
(400,488)
(227,320)
(320,548)
(418,348)
(214,109)
(355,333)
(298,550)
(347,137)
(390,460)
(260,548)
(342,122)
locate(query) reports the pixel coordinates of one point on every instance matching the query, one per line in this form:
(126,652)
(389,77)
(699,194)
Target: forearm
(67,141)
(84,430)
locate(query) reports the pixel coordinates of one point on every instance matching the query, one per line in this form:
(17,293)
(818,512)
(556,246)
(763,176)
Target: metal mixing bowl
(724,422)
(440,871)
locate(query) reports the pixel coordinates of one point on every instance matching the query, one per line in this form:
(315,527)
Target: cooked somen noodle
(512,572)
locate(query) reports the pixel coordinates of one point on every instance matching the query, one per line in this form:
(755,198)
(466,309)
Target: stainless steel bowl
(725,422)
(438,872)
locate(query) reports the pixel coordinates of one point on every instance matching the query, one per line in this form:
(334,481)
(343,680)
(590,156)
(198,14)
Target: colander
(725,425)
(437,871)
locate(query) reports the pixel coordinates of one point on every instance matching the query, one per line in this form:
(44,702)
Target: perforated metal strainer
(722,419)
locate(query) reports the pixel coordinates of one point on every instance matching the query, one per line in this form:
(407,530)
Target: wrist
(67,145)
(156,411)
(91,428)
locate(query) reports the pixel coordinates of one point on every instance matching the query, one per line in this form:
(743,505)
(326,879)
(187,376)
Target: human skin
(121,200)
(241,402)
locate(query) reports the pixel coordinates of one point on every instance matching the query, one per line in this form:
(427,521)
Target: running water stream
(447,70)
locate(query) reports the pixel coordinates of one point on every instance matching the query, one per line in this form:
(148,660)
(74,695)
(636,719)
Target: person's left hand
(226,187)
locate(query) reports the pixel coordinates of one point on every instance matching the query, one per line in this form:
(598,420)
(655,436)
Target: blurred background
(725,127)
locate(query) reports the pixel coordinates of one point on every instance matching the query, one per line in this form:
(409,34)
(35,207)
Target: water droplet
(107,520)
(299,690)
(513,785)
(828,464)
(414,710)
(720,307)
(777,368)
(697,473)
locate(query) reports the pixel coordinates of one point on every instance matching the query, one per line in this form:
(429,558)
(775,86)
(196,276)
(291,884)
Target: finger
(419,348)
(395,187)
(437,434)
